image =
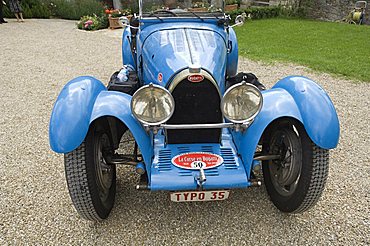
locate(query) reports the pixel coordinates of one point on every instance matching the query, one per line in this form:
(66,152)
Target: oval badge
(197,160)
(160,77)
(196,78)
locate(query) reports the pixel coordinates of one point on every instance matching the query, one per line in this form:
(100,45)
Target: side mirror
(124,20)
(239,20)
(126,23)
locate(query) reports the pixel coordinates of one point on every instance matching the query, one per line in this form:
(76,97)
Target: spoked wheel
(296,180)
(91,181)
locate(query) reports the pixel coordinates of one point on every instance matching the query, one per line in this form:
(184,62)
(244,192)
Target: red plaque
(196,78)
(160,77)
(197,160)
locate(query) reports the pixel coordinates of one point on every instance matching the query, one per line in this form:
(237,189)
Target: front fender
(70,118)
(317,110)
(295,97)
(117,104)
(127,56)
(83,100)
(232,56)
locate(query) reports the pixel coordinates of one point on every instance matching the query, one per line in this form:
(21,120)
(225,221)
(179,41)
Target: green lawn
(329,47)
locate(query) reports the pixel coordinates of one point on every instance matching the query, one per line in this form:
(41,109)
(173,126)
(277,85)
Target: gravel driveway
(39,56)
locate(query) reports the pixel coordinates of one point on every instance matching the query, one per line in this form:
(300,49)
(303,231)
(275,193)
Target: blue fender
(299,98)
(317,110)
(232,56)
(83,100)
(127,56)
(117,104)
(70,118)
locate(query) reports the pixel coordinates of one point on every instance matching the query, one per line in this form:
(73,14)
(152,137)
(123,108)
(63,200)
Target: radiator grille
(195,103)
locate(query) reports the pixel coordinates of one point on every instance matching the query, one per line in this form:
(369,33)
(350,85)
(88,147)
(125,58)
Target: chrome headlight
(241,103)
(152,104)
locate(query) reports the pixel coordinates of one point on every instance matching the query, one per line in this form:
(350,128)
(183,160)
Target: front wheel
(296,180)
(91,181)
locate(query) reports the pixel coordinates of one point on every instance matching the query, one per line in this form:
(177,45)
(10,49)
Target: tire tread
(77,182)
(317,180)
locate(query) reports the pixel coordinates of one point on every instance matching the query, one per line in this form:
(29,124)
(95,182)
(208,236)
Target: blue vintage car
(201,129)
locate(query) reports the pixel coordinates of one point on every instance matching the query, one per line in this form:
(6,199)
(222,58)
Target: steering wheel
(163,11)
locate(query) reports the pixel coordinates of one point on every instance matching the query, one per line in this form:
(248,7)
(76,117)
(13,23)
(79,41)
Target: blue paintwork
(165,176)
(83,100)
(117,104)
(232,57)
(299,98)
(141,166)
(127,57)
(317,110)
(70,117)
(168,48)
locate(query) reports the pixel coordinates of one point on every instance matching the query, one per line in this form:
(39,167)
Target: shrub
(229,2)
(261,12)
(31,9)
(92,23)
(104,22)
(75,9)
(7,13)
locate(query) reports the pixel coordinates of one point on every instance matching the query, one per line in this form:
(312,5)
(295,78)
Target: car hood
(165,51)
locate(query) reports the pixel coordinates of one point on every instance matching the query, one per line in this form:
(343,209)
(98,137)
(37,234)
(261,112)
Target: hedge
(71,9)
(75,9)
(31,9)
(261,12)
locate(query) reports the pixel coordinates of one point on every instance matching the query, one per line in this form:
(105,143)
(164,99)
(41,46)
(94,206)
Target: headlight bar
(236,126)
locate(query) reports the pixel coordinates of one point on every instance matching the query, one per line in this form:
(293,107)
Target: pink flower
(88,23)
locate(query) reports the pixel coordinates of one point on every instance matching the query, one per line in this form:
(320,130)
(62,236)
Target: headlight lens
(152,104)
(241,102)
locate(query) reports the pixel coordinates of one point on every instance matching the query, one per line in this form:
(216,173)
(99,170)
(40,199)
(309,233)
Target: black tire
(296,181)
(91,182)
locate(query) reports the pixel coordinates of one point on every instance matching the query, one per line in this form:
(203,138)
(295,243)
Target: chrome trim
(254,115)
(201,179)
(194,69)
(266,157)
(140,9)
(184,75)
(202,126)
(197,126)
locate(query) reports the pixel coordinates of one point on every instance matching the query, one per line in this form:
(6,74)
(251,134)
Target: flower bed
(92,23)
(110,18)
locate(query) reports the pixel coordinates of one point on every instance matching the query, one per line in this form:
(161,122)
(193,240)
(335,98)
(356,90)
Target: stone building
(332,9)
(248,3)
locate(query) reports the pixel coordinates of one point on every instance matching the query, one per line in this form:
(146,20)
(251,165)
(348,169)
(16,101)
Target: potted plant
(199,7)
(231,5)
(113,17)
